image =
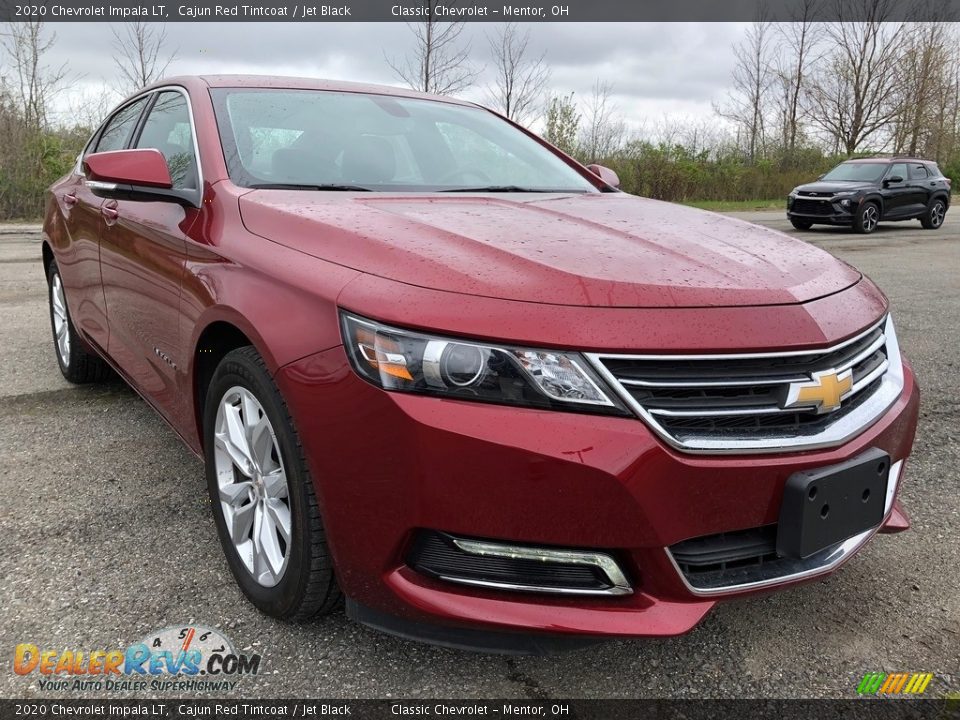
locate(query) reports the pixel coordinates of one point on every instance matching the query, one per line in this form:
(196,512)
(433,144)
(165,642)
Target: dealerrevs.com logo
(177,659)
(879,683)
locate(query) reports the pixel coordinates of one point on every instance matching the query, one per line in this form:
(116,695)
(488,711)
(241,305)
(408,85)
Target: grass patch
(734,205)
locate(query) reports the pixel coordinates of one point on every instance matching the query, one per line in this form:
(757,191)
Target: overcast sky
(657,70)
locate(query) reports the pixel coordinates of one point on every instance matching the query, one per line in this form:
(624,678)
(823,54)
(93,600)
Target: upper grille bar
(737,402)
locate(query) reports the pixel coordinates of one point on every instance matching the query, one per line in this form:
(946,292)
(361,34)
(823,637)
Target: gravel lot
(107,535)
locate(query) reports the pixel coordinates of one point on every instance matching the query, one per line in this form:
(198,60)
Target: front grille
(718,402)
(516,567)
(812,207)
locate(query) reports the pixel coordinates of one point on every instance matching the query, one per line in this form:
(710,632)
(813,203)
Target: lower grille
(715,554)
(516,567)
(812,207)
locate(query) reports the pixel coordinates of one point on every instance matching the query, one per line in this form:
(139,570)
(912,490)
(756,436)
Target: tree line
(802,96)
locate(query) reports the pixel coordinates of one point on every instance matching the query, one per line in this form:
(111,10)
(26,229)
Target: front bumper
(388,464)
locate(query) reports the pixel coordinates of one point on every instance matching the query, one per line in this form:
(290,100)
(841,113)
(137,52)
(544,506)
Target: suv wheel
(933,217)
(262,495)
(866,219)
(77,365)
(800,224)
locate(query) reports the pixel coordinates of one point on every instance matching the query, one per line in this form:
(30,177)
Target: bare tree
(562,123)
(800,40)
(603,132)
(850,97)
(747,101)
(520,77)
(923,78)
(438,63)
(32,82)
(140,54)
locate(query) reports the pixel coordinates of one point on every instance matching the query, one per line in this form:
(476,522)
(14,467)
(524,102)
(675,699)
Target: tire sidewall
(239,369)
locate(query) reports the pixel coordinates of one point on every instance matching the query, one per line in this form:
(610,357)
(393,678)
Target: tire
(287,572)
(933,217)
(801,224)
(866,219)
(76,362)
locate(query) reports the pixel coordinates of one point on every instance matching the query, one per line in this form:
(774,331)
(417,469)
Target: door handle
(70,199)
(110,213)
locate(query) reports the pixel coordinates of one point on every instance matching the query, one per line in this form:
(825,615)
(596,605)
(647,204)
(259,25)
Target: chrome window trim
(100,184)
(619,583)
(845,428)
(819,564)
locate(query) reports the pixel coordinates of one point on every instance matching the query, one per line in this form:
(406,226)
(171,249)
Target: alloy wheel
(61,323)
(870,218)
(254,494)
(936,214)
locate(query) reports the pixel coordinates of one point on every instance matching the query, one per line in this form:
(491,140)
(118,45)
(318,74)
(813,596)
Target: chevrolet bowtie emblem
(824,392)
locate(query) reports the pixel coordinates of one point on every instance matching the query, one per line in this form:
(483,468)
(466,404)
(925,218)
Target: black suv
(861,193)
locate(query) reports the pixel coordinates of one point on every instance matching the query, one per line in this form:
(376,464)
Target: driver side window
(898,170)
(168,130)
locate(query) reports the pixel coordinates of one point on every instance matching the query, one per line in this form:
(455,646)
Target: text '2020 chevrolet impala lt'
(438,368)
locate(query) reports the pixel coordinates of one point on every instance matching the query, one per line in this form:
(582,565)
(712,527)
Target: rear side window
(120,127)
(168,130)
(918,172)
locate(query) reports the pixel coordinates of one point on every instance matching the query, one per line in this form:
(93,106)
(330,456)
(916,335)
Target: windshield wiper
(299,186)
(505,189)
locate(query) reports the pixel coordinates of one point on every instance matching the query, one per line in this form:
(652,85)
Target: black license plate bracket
(824,506)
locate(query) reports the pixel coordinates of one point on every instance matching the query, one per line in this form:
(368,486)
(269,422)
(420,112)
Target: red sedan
(439,368)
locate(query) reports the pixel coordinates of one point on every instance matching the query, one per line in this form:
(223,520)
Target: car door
(79,262)
(142,259)
(921,186)
(896,193)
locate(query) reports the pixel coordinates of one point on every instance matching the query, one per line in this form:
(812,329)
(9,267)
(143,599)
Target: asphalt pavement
(107,536)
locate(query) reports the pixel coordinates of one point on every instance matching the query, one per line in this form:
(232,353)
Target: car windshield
(857,172)
(314,139)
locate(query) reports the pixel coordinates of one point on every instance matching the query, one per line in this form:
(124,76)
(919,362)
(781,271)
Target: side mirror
(142,168)
(893,179)
(605,174)
(134,175)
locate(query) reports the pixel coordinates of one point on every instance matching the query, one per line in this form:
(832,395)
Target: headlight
(409,361)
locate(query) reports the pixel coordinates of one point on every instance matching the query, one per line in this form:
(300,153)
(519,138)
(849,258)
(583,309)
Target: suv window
(168,130)
(119,128)
(899,170)
(918,172)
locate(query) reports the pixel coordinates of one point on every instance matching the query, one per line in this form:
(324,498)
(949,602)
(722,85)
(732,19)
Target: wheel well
(214,343)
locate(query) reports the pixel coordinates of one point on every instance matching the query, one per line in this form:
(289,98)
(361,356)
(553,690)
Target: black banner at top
(477,10)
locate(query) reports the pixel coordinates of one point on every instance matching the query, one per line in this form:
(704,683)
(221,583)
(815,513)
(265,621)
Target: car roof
(303,83)
(860,161)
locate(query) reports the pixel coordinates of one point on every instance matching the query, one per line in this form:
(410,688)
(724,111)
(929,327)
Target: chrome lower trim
(844,429)
(618,581)
(823,562)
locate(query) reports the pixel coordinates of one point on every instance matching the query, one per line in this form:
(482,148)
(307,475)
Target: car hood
(604,250)
(829,188)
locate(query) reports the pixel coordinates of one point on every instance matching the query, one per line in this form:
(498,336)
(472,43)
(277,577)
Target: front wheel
(800,224)
(866,219)
(76,363)
(262,494)
(934,215)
